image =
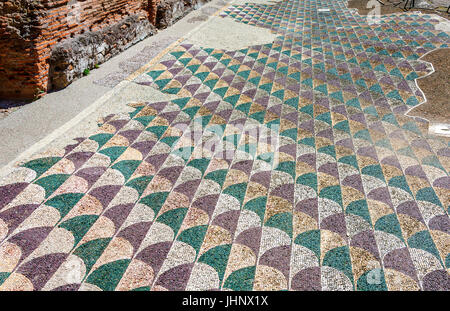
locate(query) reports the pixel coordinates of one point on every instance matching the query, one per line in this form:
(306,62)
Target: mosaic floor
(283,166)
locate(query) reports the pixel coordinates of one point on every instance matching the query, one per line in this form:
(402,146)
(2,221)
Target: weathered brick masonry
(46,44)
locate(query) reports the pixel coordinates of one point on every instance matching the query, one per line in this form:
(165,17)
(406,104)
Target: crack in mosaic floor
(307,174)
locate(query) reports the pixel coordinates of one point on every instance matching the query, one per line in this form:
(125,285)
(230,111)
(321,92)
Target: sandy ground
(34,125)
(436,88)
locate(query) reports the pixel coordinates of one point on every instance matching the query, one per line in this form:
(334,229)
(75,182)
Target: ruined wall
(46,44)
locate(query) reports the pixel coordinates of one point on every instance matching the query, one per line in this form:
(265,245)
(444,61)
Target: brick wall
(29,29)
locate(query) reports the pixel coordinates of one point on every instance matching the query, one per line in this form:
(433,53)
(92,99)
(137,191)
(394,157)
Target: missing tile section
(440,129)
(225,33)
